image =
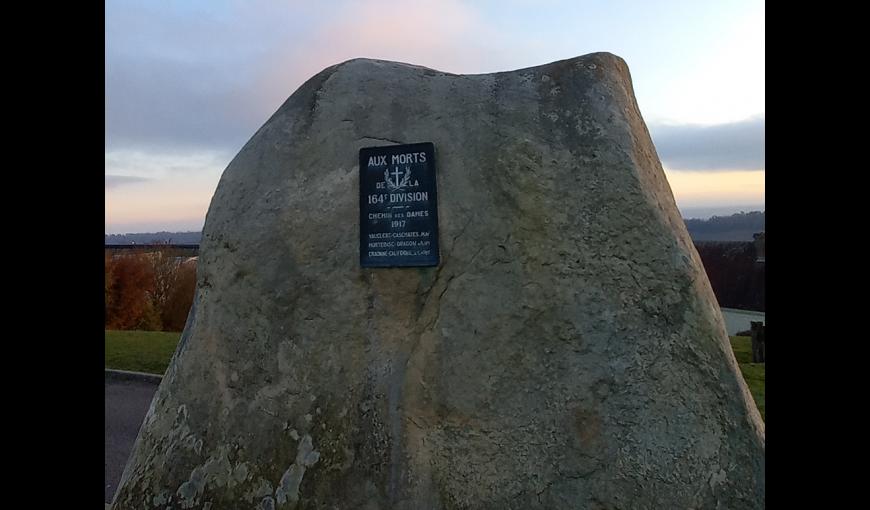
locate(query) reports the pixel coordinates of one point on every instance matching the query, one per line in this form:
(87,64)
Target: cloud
(168,197)
(716,187)
(177,78)
(181,76)
(160,164)
(113,181)
(446,35)
(732,146)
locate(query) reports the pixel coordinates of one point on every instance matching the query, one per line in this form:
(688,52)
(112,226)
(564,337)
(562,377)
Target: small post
(758,347)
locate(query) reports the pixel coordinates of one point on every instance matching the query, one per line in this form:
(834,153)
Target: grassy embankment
(150,351)
(753,373)
(140,351)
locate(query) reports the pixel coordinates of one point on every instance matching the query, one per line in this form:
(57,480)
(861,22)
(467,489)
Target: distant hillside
(737,227)
(155,237)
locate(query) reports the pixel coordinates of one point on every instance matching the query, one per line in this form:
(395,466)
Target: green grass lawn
(753,373)
(140,351)
(150,351)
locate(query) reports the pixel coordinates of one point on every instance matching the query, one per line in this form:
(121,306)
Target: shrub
(150,291)
(180,298)
(129,282)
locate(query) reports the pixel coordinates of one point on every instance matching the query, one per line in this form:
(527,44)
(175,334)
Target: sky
(189,82)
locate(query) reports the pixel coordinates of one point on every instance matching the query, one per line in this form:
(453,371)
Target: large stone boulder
(568,352)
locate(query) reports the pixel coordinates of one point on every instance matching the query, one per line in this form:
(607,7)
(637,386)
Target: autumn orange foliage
(150,291)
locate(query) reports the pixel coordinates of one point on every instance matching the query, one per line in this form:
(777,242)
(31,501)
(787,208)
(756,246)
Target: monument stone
(565,351)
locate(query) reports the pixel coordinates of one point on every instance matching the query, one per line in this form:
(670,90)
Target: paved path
(127,401)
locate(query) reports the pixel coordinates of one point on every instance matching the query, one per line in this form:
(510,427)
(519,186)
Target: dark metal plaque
(398,206)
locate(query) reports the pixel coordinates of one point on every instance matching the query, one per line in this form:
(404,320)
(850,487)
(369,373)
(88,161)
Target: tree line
(736,227)
(155,237)
(735,273)
(153,289)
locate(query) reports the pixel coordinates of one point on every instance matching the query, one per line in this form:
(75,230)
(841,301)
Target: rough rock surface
(567,353)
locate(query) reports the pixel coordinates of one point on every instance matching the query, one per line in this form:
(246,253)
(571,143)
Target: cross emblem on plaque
(396,174)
